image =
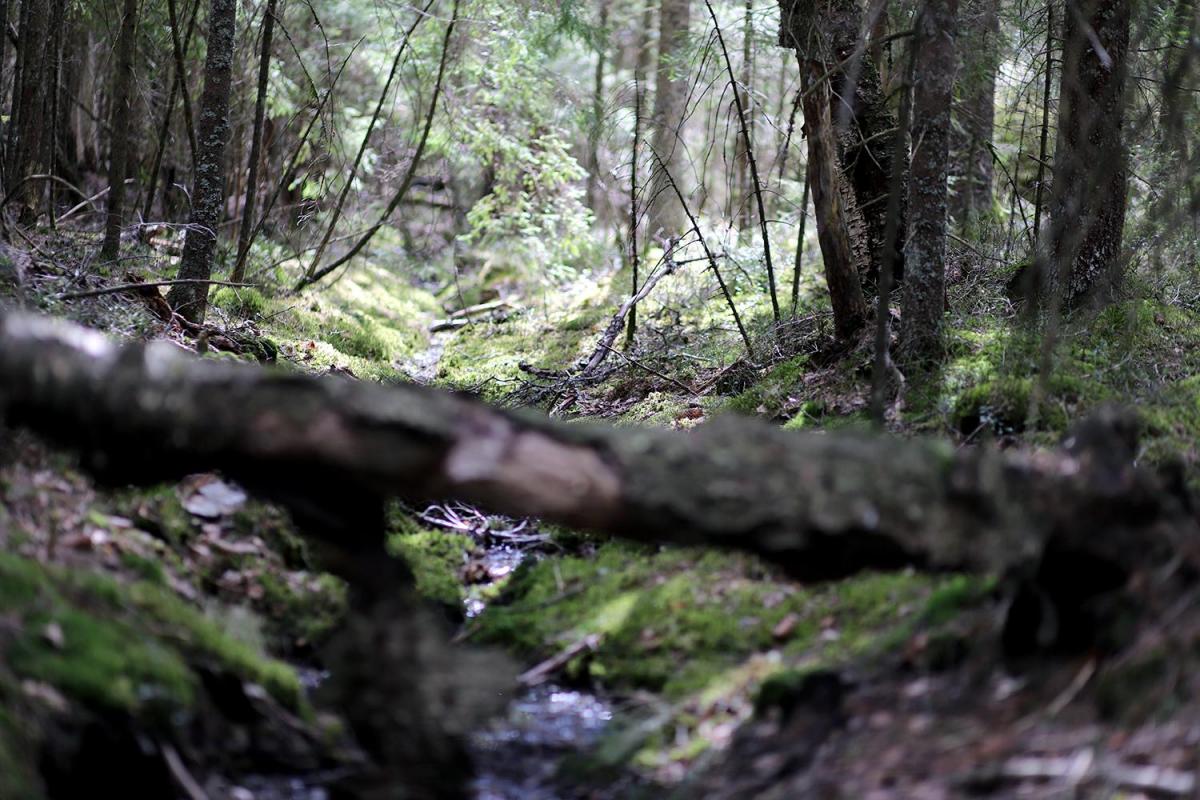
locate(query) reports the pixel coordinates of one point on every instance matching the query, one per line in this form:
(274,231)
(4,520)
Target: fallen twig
(541,672)
(126,287)
(650,369)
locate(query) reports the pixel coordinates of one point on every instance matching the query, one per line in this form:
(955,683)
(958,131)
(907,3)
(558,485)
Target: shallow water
(517,755)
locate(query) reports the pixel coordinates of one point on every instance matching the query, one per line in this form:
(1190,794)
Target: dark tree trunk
(974,111)
(665,217)
(164,132)
(597,122)
(925,249)
(26,121)
(256,137)
(827,34)
(191,300)
(120,121)
(1091,172)
(841,266)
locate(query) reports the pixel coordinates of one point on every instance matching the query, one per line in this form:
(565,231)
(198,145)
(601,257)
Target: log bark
(820,506)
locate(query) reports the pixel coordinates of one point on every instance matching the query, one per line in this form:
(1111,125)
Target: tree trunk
(974,112)
(164,132)
(256,137)
(824,179)
(925,249)
(1091,173)
(597,121)
(26,120)
(827,33)
(120,121)
(743,195)
(191,300)
(665,218)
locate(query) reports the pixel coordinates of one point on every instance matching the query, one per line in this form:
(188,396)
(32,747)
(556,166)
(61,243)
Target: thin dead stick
(289,173)
(40,177)
(125,287)
(409,174)
(362,147)
(87,201)
(614,327)
(712,261)
(758,198)
(650,369)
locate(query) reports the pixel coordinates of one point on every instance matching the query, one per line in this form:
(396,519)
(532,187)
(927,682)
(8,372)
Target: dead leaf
(214,500)
(52,633)
(786,626)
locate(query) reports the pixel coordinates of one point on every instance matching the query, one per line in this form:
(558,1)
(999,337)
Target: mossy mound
(134,648)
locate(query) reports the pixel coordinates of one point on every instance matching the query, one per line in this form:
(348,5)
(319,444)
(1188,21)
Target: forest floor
(648,669)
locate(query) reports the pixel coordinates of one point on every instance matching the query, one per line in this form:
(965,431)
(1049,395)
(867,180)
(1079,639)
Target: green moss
(677,620)
(147,569)
(304,614)
(240,302)
(774,391)
(436,559)
(131,647)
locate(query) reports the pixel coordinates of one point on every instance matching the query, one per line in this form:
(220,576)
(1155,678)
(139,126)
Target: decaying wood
(820,506)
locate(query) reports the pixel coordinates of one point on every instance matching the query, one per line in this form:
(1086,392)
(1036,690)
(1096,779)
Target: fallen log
(820,506)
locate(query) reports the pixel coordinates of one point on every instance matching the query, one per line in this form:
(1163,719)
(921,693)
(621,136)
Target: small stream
(518,754)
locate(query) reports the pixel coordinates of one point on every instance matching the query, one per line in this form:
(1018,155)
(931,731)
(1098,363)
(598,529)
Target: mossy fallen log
(1078,520)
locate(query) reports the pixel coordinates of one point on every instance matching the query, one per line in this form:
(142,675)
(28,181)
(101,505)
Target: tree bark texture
(974,111)
(829,33)
(1091,170)
(837,255)
(925,248)
(25,125)
(665,218)
(256,139)
(191,300)
(820,506)
(121,121)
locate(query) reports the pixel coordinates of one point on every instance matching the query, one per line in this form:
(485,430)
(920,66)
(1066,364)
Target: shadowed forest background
(593,399)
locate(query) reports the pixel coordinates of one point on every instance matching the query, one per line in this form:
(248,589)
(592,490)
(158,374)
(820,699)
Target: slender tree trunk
(593,176)
(26,120)
(54,92)
(120,122)
(797,268)
(1044,141)
(164,131)
(256,136)
(634,255)
(925,247)
(191,300)
(665,218)
(823,176)
(744,189)
(1091,172)
(974,111)
(181,72)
